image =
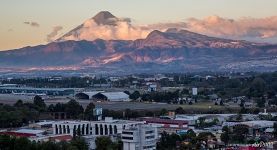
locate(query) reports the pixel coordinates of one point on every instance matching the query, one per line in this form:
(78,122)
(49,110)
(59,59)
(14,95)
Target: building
(38,91)
(152,88)
(166,123)
(90,130)
(112,96)
(28,133)
(194,91)
(37,135)
(87,95)
(140,137)
(104,96)
(98,128)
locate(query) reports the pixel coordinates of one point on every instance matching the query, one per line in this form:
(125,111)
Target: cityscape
(138,75)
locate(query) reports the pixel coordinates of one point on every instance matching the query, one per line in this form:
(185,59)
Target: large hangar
(104,96)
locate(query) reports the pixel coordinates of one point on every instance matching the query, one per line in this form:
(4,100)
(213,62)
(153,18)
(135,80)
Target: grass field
(200,107)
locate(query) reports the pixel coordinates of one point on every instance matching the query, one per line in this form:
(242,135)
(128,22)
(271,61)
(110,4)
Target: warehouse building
(104,96)
(38,91)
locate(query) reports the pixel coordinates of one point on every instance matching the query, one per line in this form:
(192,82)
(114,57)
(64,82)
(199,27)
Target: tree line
(22,143)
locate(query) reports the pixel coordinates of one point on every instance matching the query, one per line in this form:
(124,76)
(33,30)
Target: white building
(90,130)
(194,91)
(152,87)
(116,96)
(104,96)
(140,137)
(98,128)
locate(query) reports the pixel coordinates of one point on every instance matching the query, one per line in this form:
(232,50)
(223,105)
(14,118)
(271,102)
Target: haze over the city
(34,22)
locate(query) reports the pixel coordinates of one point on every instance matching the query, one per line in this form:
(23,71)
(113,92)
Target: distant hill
(171,51)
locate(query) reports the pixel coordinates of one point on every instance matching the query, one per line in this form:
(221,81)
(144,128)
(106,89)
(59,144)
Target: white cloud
(51,36)
(243,28)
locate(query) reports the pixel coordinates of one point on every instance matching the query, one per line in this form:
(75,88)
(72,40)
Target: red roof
(61,138)
(165,121)
(17,134)
(248,148)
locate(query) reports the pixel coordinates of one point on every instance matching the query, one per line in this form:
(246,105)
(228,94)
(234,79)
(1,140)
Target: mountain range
(174,50)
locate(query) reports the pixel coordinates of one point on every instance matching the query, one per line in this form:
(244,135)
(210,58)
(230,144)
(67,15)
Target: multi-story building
(140,137)
(107,127)
(90,130)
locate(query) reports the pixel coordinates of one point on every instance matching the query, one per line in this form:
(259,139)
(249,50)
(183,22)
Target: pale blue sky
(70,13)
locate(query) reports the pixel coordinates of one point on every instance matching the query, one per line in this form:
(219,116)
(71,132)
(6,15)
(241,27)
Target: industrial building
(104,96)
(38,91)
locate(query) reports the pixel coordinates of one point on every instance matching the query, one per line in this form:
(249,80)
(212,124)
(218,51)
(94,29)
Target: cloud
(120,29)
(32,24)
(241,28)
(55,31)
(10,30)
(256,29)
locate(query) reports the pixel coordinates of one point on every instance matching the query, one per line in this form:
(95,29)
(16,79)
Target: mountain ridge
(172,50)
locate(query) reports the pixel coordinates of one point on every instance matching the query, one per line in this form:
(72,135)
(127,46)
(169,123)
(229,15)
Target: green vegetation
(23,113)
(13,143)
(185,141)
(237,135)
(105,143)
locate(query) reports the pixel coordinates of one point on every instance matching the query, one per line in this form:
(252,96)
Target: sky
(31,22)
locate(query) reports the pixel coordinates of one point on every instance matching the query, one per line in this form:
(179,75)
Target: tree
(127,92)
(89,111)
(168,141)
(239,133)
(225,135)
(163,112)
(221,103)
(179,110)
(261,102)
(73,109)
(79,143)
(191,133)
(39,102)
(185,92)
(204,137)
(275,130)
(135,95)
(103,143)
(243,110)
(22,144)
(117,145)
(19,103)
(257,87)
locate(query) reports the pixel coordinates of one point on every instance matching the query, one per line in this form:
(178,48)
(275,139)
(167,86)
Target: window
(150,137)
(111,129)
(149,132)
(127,138)
(115,129)
(148,147)
(101,129)
(68,130)
(106,129)
(126,132)
(96,129)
